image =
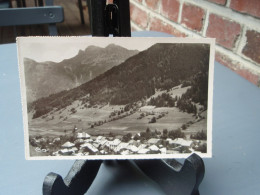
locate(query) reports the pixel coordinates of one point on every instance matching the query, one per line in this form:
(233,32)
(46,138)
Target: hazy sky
(58,48)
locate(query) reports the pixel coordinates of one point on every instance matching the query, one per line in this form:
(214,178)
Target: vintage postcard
(116,98)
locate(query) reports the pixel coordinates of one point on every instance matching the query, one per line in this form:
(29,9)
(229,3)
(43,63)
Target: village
(148,142)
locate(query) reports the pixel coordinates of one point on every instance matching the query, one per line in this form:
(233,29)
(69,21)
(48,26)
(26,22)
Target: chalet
(113,144)
(133,142)
(79,141)
(56,153)
(100,141)
(132,148)
(142,146)
(88,140)
(68,145)
(65,151)
(125,152)
(96,145)
(163,150)
(89,147)
(74,149)
(153,141)
(121,146)
(154,149)
(143,151)
(83,135)
(103,152)
(180,142)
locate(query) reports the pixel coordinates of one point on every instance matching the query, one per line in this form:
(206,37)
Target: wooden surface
(70,27)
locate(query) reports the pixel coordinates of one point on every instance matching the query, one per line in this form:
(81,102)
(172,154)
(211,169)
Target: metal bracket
(109,19)
(172,177)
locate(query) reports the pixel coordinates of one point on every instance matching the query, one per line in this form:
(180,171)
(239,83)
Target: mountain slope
(161,66)
(43,79)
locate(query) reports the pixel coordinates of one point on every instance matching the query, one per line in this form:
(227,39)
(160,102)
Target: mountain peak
(112,45)
(92,48)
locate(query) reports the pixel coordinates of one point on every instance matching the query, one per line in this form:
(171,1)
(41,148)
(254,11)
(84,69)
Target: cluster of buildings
(86,144)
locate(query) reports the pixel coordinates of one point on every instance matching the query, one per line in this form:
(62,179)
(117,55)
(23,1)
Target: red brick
(252,47)
(152,4)
(236,67)
(170,9)
(158,25)
(224,30)
(192,17)
(138,16)
(221,2)
(251,7)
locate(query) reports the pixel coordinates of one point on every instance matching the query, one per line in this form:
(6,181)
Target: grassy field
(172,120)
(61,122)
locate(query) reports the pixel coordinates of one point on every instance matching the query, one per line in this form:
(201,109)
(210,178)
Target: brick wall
(234,23)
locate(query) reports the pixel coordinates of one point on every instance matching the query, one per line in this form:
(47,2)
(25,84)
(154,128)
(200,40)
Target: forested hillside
(46,78)
(161,66)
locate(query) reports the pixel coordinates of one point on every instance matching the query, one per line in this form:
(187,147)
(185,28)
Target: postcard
(116,98)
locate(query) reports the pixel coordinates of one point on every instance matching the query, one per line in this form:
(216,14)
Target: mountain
(162,66)
(45,78)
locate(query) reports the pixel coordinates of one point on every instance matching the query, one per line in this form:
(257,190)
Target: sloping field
(173,120)
(63,121)
(173,92)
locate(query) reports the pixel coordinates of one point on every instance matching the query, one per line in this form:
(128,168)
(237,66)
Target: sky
(57,49)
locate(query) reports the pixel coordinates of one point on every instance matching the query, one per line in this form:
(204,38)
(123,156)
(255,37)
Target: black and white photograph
(116,98)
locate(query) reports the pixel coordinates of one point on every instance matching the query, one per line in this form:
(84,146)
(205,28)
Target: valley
(159,93)
(105,119)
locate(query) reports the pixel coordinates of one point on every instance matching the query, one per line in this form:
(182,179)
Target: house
(132,142)
(79,141)
(68,145)
(181,142)
(113,144)
(96,145)
(89,147)
(83,135)
(163,150)
(153,141)
(154,149)
(142,146)
(65,151)
(125,152)
(80,136)
(74,149)
(143,151)
(100,140)
(121,146)
(132,148)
